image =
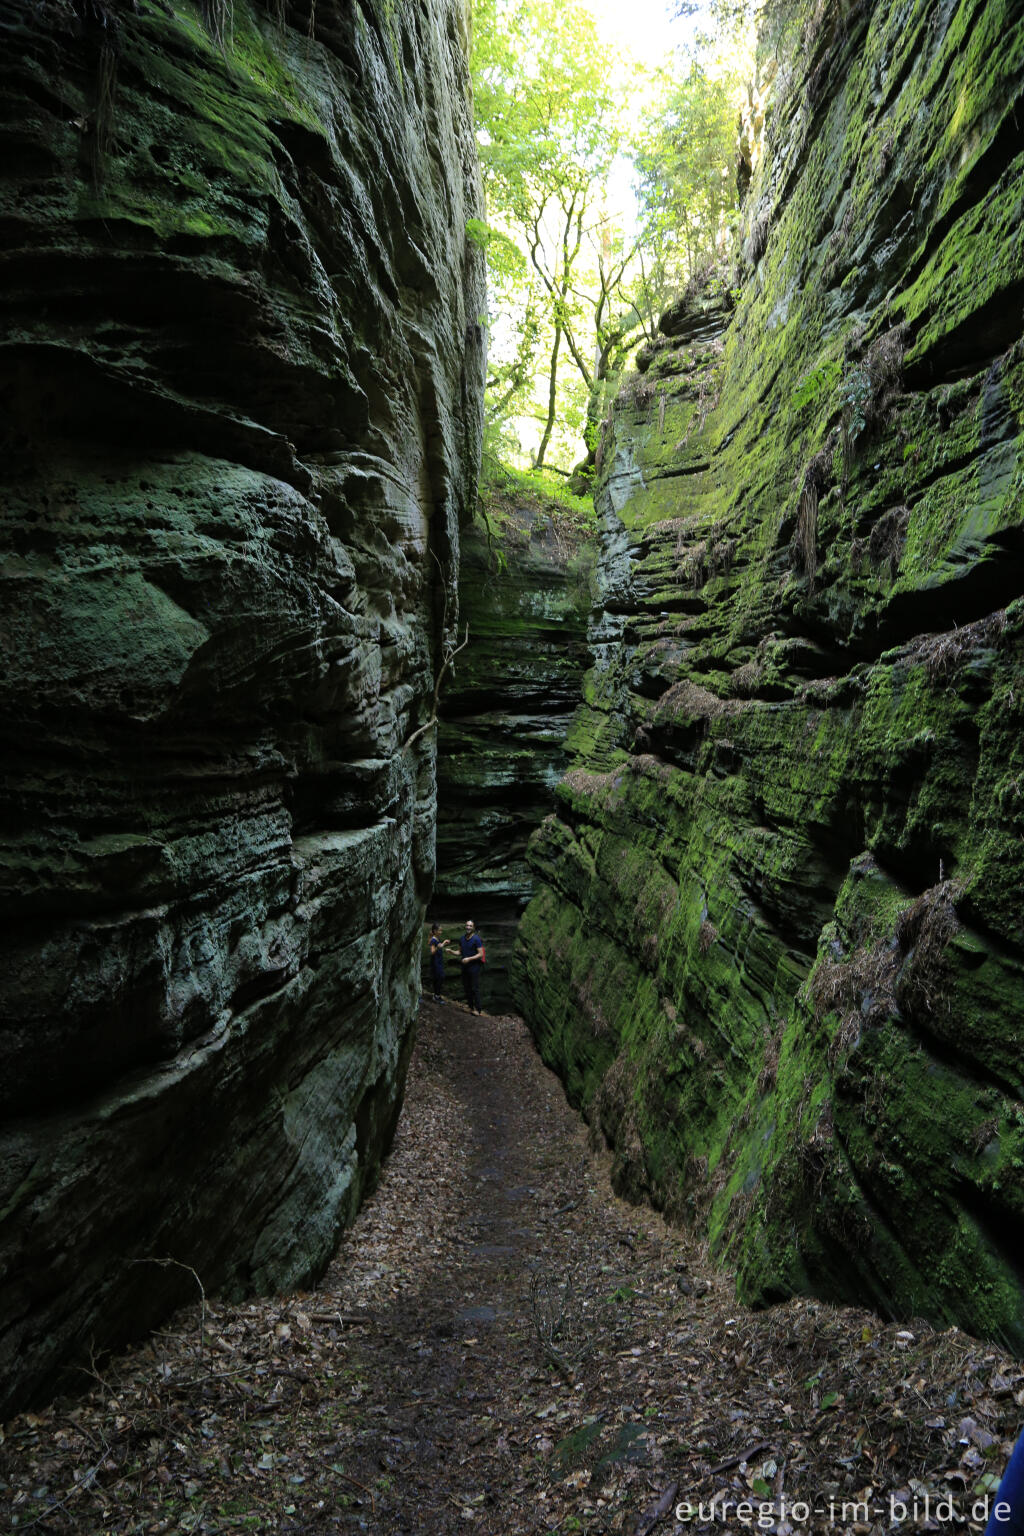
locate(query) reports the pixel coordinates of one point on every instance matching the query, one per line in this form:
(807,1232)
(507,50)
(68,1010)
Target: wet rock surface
(777,952)
(240,384)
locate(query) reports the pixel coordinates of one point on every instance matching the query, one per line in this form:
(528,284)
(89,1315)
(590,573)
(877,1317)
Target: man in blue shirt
(471,950)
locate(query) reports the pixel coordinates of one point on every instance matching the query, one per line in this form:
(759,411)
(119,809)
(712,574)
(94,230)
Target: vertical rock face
(777,950)
(525,595)
(240,380)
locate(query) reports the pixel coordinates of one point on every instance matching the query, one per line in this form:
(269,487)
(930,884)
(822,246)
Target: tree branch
(449,656)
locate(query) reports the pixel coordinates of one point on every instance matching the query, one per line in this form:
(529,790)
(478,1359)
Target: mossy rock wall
(240,376)
(524,592)
(777,950)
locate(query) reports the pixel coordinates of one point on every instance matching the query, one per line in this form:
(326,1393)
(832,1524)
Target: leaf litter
(503,1345)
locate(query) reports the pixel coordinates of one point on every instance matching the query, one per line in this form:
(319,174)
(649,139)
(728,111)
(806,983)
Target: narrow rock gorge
(777,951)
(524,596)
(756,777)
(241,375)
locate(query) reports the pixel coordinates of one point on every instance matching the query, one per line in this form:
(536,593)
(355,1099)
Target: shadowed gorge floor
(502,1345)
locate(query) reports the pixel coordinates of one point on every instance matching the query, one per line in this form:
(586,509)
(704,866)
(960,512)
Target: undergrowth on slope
(504,493)
(501,481)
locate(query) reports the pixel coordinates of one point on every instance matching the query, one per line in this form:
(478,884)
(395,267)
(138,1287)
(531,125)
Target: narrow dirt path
(502,1345)
(491,1260)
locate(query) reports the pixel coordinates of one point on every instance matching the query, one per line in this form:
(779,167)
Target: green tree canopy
(549,130)
(686,171)
(572,285)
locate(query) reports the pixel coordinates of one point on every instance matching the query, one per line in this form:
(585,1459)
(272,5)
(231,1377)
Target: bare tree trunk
(552,382)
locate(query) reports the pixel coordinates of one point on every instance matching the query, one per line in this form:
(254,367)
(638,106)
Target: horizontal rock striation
(777,950)
(240,380)
(525,594)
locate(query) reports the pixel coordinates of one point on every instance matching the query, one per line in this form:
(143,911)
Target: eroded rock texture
(777,951)
(524,592)
(240,381)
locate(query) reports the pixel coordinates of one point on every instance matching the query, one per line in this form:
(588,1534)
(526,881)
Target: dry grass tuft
(707,936)
(924,933)
(805,538)
(637,390)
(943,655)
(770,1061)
(705,558)
(646,766)
(758,241)
(888,537)
(908,971)
(817,478)
(869,392)
(590,784)
(688,699)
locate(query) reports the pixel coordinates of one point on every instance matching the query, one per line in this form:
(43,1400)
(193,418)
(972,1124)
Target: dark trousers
(437,980)
(471,984)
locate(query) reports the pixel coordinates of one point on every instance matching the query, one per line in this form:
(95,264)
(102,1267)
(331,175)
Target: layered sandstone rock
(240,372)
(778,947)
(524,594)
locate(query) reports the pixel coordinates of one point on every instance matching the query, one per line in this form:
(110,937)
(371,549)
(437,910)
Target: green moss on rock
(788,853)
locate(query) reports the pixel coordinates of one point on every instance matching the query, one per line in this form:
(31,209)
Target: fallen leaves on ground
(503,1345)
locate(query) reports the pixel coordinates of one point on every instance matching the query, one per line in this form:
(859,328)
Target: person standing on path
(471,950)
(438,950)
